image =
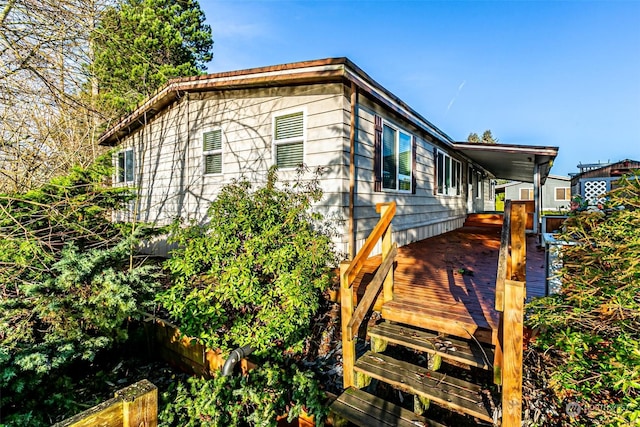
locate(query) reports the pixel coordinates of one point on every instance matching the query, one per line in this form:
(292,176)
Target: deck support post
(512,357)
(348,342)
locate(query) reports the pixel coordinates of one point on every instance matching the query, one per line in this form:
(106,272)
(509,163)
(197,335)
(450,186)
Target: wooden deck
(447,283)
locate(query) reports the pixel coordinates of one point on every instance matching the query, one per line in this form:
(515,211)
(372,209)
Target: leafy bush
(252,400)
(590,333)
(251,275)
(66,291)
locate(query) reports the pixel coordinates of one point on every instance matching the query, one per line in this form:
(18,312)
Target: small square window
(212,152)
(526,194)
(563,194)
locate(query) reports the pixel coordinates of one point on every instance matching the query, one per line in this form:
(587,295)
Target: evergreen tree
(141,44)
(487,138)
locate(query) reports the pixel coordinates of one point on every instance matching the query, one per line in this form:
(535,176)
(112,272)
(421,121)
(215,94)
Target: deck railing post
(387,243)
(512,353)
(348,343)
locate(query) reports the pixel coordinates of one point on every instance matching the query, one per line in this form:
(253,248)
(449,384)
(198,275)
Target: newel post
(348,343)
(387,244)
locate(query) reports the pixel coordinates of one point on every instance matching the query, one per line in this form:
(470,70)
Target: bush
(251,275)
(252,400)
(66,289)
(590,333)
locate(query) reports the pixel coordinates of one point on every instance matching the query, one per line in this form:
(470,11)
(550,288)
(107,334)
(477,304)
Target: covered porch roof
(509,161)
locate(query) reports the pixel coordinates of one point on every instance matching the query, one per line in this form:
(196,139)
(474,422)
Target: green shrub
(590,333)
(66,289)
(255,399)
(253,273)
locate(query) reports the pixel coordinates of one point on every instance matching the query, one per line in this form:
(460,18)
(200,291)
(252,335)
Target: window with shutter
(212,152)
(125,166)
(288,139)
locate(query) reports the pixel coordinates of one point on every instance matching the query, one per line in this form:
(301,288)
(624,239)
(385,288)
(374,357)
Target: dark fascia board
(329,70)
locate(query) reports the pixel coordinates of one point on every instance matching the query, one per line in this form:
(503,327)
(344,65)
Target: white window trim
(479,187)
(529,189)
(398,129)
(206,153)
(457,188)
(125,181)
(286,141)
(555,194)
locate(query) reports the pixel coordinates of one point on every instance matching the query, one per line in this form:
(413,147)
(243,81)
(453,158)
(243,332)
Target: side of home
(197,134)
(555,196)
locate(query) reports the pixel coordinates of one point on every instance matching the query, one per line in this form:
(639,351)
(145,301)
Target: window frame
(479,185)
(122,171)
(567,196)
(206,153)
(529,191)
(288,141)
(448,171)
(398,130)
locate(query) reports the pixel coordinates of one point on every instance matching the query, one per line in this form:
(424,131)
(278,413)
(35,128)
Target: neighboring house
(197,134)
(556,192)
(593,182)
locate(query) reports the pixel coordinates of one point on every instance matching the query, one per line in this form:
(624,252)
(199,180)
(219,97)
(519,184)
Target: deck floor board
(453,275)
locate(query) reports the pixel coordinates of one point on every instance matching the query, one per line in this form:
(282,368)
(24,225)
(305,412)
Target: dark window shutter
(377,154)
(414,149)
(435,170)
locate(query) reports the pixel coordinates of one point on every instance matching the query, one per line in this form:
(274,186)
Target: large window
(212,152)
(563,194)
(526,194)
(125,166)
(288,140)
(449,174)
(396,159)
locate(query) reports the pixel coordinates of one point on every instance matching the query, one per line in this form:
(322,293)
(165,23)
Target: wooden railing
(510,296)
(349,270)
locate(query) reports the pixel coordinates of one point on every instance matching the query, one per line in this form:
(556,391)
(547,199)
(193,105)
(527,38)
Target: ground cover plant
(588,347)
(67,288)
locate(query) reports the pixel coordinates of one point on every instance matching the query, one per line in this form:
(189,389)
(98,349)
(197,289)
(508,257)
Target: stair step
(442,389)
(467,352)
(423,317)
(365,410)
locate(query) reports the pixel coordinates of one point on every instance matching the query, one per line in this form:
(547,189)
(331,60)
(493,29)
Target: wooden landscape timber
(133,406)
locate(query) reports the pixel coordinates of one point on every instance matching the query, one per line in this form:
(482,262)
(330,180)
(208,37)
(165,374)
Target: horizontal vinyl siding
(419,215)
(169,148)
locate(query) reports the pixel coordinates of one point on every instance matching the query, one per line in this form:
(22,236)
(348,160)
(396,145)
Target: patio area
(447,282)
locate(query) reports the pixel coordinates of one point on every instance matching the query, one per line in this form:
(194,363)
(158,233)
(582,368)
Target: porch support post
(537,198)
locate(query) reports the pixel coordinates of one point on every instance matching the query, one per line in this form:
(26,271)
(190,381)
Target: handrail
(373,288)
(363,254)
(503,257)
(510,295)
(352,319)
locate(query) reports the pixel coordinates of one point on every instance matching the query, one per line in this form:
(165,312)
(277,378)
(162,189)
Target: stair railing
(510,296)
(351,316)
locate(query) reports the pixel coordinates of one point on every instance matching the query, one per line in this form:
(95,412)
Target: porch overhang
(509,161)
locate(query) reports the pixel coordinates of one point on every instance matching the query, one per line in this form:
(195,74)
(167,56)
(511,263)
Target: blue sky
(559,73)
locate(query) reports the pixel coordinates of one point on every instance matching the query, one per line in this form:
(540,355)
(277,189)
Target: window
(126,163)
(396,159)
(526,194)
(478,185)
(288,138)
(492,189)
(449,175)
(563,194)
(212,152)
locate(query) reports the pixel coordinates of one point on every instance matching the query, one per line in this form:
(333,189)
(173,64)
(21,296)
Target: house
(196,134)
(593,181)
(556,192)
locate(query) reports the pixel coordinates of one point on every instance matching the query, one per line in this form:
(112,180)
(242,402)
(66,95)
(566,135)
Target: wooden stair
(484,220)
(364,409)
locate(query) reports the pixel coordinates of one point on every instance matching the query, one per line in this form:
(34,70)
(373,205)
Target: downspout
(352,171)
(234,357)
